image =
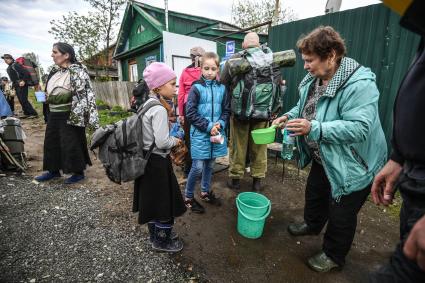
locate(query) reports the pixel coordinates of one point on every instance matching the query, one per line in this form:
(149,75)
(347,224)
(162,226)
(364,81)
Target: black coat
(18,73)
(408,135)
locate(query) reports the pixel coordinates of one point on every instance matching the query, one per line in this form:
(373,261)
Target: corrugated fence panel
(373,37)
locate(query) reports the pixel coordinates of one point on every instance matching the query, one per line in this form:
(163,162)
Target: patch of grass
(38,106)
(100,102)
(105,118)
(117,109)
(393,209)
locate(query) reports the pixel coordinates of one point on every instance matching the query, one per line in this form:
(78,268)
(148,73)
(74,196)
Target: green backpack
(257,94)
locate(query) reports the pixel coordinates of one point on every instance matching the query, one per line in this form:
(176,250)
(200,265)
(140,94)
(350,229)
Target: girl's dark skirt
(65,146)
(157,195)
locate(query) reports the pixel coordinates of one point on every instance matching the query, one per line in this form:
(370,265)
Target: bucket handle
(254,218)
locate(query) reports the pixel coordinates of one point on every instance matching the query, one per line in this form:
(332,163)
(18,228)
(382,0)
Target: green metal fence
(373,37)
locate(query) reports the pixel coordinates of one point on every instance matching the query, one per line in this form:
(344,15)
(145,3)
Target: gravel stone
(55,233)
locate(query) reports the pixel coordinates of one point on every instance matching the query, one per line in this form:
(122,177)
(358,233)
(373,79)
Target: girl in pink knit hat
(157,195)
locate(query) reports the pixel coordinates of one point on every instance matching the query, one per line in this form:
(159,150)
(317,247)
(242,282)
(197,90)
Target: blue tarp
(4,106)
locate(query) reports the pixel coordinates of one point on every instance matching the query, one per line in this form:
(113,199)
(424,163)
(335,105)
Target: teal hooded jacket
(347,128)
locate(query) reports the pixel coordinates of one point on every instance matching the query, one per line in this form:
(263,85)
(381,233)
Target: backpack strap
(145,107)
(14,68)
(253,97)
(150,150)
(140,112)
(274,86)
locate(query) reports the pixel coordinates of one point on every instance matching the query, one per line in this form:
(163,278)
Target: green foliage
(100,102)
(88,33)
(117,109)
(108,17)
(103,79)
(105,117)
(248,13)
(81,31)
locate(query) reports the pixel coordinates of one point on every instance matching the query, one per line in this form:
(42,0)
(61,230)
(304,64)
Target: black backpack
(30,67)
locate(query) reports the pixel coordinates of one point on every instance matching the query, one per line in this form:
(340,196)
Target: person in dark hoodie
(189,75)
(405,170)
(20,78)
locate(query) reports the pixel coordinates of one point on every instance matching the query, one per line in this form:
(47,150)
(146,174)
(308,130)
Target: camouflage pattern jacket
(83,108)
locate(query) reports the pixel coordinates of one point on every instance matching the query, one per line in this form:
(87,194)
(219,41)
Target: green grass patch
(117,109)
(393,210)
(38,106)
(100,102)
(106,118)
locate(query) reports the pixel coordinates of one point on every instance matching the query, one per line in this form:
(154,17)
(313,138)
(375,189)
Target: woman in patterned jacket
(72,106)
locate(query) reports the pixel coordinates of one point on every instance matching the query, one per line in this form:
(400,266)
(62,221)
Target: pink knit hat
(158,74)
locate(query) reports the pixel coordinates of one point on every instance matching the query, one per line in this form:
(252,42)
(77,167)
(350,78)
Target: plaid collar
(344,72)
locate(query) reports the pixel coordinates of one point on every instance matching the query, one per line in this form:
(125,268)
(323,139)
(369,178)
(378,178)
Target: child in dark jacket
(208,110)
(157,195)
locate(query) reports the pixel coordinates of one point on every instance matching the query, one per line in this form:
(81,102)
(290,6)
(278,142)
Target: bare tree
(109,16)
(246,13)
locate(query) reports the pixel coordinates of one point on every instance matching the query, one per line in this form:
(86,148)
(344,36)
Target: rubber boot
(322,263)
(162,240)
(151,228)
(234,184)
(256,185)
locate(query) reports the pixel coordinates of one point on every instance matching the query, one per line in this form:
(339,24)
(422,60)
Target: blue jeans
(199,166)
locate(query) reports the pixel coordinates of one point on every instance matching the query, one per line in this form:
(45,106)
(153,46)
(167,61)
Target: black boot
(234,184)
(151,228)
(300,229)
(163,242)
(256,185)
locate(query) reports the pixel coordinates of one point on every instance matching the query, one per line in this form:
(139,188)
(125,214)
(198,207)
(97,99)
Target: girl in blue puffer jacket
(208,110)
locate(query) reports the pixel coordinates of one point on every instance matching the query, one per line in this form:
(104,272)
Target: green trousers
(241,145)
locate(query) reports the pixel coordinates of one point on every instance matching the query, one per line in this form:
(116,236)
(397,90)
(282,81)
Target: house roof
(223,24)
(154,17)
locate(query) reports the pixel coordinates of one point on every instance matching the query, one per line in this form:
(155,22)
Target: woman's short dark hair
(65,48)
(322,41)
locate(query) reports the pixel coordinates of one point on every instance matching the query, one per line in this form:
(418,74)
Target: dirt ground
(213,247)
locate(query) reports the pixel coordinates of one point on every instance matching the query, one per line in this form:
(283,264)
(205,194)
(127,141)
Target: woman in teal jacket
(336,122)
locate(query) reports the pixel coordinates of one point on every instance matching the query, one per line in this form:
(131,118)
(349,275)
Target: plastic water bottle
(287,145)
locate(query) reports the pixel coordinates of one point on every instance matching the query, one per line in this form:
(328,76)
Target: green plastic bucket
(264,136)
(254,204)
(253,210)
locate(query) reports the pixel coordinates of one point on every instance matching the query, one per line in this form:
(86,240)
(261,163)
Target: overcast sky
(24,24)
